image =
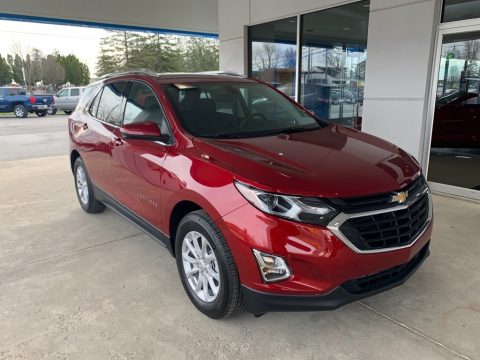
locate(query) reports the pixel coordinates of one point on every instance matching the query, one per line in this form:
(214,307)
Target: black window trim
(99,93)
(127,93)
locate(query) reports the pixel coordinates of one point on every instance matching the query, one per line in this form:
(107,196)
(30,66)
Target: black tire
(229,299)
(52,111)
(91,205)
(41,113)
(20,111)
(68,112)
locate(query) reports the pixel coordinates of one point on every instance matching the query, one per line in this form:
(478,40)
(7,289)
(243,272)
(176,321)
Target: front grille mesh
(388,229)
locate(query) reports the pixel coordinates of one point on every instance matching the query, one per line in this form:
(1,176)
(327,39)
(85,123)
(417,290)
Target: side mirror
(143,131)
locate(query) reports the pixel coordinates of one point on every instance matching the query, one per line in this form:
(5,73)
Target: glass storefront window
(273,53)
(454,10)
(455,146)
(333,58)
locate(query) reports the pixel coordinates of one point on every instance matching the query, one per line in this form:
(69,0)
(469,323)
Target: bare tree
(266,56)
(53,72)
(290,57)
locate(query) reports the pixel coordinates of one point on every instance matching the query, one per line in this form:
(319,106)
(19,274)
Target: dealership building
(407,71)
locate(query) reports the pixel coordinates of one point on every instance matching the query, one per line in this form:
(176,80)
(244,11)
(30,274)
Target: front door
(454,162)
(137,166)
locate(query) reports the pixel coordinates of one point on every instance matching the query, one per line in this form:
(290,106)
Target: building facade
(407,71)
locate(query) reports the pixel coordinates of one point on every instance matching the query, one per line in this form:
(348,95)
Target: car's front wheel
(206,266)
(68,112)
(41,113)
(84,189)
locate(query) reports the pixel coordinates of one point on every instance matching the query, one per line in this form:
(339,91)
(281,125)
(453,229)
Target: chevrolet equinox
(263,205)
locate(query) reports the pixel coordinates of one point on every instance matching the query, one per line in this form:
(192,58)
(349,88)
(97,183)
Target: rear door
(137,166)
(103,119)
(73,98)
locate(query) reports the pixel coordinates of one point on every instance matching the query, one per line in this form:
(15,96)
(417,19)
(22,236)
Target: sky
(83,42)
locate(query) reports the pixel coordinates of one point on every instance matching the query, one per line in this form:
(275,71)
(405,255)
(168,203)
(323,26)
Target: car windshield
(236,110)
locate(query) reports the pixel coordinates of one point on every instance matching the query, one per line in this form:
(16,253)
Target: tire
(41,113)
(84,189)
(68,112)
(197,226)
(20,111)
(52,111)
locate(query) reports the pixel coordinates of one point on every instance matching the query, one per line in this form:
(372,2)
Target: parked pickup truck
(16,100)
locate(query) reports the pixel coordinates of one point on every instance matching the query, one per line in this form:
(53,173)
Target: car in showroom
(263,205)
(66,100)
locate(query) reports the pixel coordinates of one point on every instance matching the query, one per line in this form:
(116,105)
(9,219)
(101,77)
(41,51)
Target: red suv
(263,205)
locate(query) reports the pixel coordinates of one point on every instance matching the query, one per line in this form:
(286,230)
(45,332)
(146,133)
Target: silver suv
(66,100)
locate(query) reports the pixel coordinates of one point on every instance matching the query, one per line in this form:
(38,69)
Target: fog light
(273,268)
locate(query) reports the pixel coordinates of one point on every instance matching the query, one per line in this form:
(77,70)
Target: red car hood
(332,161)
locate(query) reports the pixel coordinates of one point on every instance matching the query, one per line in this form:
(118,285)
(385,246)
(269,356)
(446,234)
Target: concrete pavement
(80,286)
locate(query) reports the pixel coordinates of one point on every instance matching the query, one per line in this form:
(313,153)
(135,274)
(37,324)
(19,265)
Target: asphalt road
(33,137)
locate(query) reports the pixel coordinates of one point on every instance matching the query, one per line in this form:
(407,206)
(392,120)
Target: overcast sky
(81,41)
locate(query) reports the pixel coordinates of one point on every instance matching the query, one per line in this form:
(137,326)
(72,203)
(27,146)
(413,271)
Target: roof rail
(220,72)
(153,73)
(129,72)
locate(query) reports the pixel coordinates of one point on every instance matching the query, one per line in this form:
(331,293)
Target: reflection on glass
(273,54)
(455,147)
(334,53)
(454,10)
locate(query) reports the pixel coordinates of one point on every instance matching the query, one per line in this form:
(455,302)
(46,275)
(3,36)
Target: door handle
(117,141)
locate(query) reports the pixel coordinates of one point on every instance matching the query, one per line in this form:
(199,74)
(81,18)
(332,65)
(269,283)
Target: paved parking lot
(79,286)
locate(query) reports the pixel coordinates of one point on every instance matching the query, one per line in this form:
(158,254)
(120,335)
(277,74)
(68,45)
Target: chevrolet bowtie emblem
(400,197)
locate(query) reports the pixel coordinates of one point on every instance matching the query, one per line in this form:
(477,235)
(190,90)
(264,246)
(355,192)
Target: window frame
(124,106)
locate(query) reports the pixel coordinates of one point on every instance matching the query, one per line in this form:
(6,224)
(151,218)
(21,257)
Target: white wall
(401,35)
(187,15)
(400,45)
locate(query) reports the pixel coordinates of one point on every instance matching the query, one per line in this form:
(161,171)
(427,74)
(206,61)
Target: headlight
(305,209)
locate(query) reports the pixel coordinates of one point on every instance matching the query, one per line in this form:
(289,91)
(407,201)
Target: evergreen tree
(76,72)
(5,72)
(201,54)
(16,65)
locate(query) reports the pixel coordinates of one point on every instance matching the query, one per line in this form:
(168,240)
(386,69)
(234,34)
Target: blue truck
(17,100)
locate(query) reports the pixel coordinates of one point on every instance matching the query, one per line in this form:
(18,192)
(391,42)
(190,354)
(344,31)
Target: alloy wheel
(200,266)
(82,185)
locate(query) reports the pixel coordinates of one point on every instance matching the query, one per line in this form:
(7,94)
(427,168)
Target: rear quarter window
(87,96)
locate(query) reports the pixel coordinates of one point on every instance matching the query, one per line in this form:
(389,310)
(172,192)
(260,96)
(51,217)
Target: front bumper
(257,302)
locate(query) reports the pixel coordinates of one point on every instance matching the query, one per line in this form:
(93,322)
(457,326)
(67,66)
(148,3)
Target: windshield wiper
(296,129)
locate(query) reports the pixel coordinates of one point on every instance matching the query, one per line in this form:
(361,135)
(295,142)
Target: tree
(5,72)
(52,71)
(16,64)
(76,72)
(201,55)
(265,55)
(290,57)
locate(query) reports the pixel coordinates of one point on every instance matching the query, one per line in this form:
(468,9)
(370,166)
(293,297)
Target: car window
(110,102)
(74,92)
(142,106)
(231,110)
(12,91)
(87,96)
(94,105)
(63,93)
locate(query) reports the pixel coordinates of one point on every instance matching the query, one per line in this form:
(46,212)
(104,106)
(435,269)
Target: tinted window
(12,91)
(87,96)
(110,102)
(273,53)
(237,110)
(94,106)
(74,92)
(454,10)
(334,55)
(142,106)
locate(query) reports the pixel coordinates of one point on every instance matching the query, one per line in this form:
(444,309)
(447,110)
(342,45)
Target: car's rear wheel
(20,111)
(84,189)
(41,113)
(68,112)
(206,266)
(52,111)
